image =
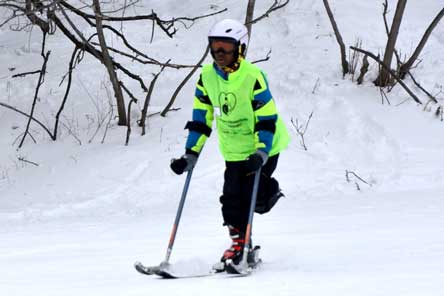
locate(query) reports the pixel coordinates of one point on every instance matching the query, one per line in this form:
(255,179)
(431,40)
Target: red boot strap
(238,241)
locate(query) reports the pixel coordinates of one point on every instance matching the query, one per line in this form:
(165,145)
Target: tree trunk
(39,84)
(414,97)
(384,76)
(109,65)
(248,19)
(345,66)
(405,68)
(148,99)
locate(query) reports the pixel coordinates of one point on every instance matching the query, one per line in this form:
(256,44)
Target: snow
(76,223)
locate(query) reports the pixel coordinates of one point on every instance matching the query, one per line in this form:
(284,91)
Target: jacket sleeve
(202,120)
(265,114)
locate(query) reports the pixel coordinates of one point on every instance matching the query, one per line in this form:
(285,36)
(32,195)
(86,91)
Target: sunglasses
(221,50)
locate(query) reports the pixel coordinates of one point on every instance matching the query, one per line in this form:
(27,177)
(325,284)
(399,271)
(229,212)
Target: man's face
(223,53)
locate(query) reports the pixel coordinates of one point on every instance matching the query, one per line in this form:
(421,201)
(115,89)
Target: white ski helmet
(230,30)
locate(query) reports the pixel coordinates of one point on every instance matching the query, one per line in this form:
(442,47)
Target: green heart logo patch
(227,102)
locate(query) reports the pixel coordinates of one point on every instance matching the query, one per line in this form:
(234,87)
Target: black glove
(256,160)
(183,164)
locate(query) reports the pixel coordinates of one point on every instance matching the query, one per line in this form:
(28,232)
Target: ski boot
(235,252)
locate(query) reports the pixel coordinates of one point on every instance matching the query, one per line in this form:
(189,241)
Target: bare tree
(107,61)
(405,68)
(277,4)
(301,129)
(59,15)
(249,18)
(364,69)
(39,84)
(184,82)
(67,17)
(384,76)
(390,71)
(345,66)
(144,115)
(399,62)
(357,177)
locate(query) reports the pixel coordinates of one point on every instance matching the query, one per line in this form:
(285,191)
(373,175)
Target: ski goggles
(221,50)
(222,46)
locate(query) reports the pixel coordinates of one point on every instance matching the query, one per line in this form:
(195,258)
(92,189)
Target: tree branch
(383,78)
(422,88)
(107,61)
(148,99)
(275,6)
(35,20)
(263,59)
(148,62)
(39,84)
(26,73)
(406,67)
(166,25)
(27,115)
(415,98)
(302,130)
(182,84)
(65,97)
(345,66)
(128,131)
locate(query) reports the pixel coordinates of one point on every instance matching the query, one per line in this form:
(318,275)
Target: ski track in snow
(75,224)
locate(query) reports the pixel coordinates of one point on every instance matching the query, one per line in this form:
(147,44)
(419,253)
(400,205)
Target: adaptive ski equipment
(163,268)
(244,267)
(248,260)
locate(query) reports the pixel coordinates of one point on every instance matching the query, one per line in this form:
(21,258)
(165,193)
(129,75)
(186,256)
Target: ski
(147,270)
(167,272)
(244,268)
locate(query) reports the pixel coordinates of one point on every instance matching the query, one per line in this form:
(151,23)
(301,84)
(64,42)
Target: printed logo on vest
(227,102)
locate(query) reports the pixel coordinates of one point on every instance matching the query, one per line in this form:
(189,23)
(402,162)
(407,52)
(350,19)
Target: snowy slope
(76,223)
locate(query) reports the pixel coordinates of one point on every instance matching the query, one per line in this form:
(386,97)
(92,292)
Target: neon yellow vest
(233,110)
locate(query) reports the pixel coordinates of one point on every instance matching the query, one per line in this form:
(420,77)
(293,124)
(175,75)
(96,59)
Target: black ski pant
(238,188)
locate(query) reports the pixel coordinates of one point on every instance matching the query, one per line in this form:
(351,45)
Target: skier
(250,131)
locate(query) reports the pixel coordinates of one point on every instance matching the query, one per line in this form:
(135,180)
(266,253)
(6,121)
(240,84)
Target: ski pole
(250,217)
(177,220)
